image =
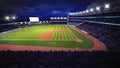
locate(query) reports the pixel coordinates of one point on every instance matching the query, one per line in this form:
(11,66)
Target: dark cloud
(42,8)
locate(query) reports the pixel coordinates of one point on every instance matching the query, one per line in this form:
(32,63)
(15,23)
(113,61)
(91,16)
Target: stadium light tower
(7,18)
(98,8)
(107,6)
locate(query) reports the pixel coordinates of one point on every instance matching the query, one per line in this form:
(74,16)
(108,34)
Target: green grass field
(63,36)
(29,36)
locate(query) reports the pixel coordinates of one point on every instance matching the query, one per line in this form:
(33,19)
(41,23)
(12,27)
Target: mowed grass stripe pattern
(29,36)
(61,27)
(63,36)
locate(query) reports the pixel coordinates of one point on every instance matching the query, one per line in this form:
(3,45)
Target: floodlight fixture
(7,18)
(65,17)
(107,6)
(25,22)
(43,21)
(13,17)
(61,18)
(84,12)
(55,17)
(76,13)
(87,11)
(98,8)
(46,21)
(58,17)
(81,13)
(21,22)
(51,18)
(91,9)
(71,13)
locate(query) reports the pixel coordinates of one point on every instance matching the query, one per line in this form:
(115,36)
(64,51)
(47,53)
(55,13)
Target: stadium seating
(54,59)
(108,34)
(8,27)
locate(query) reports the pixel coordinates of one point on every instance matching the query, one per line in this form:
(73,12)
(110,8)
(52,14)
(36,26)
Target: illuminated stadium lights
(7,18)
(84,12)
(55,17)
(21,22)
(77,13)
(43,21)
(46,21)
(97,8)
(52,18)
(25,22)
(13,17)
(107,6)
(91,9)
(71,13)
(80,12)
(58,17)
(87,11)
(74,13)
(65,17)
(61,18)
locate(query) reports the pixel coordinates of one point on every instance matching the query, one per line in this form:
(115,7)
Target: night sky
(43,8)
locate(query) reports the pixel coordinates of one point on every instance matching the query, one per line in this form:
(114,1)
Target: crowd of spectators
(7,28)
(108,34)
(59,59)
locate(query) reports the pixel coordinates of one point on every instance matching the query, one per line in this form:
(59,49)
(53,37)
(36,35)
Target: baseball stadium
(59,34)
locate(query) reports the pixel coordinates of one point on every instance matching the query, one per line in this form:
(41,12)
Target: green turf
(29,36)
(63,36)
